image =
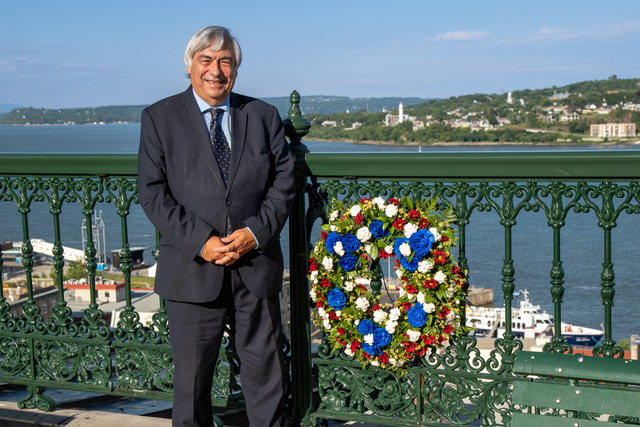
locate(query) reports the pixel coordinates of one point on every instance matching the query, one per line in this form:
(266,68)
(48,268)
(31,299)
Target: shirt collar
(204,106)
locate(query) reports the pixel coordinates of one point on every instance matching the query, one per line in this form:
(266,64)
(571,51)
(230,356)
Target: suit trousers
(196,331)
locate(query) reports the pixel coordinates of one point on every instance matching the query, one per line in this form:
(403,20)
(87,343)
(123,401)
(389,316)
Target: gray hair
(219,36)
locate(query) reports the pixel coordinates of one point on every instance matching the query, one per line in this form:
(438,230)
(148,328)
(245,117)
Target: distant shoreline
(630,141)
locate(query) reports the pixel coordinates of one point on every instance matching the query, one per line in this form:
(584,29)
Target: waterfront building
(613,129)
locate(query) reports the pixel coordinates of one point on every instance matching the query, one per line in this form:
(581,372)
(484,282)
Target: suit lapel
(199,134)
(239,121)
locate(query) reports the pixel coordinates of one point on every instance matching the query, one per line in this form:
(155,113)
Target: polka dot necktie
(220,149)
(219,143)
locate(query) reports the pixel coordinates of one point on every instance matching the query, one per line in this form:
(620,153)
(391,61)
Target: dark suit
(183,194)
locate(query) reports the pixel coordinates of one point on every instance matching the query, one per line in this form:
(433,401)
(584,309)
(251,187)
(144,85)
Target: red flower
(423,223)
(325,283)
(332,315)
(375,307)
(431,283)
(366,199)
(383,358)
(354,345)
(428,340)
(455,270)
(448,329)
(319,304)
(359,218)
(445,239)
(313,265)
(410,289)
(399,223)
(394,201)
(384,254)
(340,331)
(444,313)
(324,235)
(406,305)
(440,257)
(413,214)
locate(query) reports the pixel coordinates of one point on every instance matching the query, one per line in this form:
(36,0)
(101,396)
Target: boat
(527,321)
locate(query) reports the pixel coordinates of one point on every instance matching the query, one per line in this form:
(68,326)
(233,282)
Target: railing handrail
(69,164)
(572,165)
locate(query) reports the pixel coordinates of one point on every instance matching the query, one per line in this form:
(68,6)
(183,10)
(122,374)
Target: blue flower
(421,242)
(350,243)
(381,338)
(336,298)
(365,327)
(410,265)
(348,262)
(377,229)
(371,349)
(416,315)
(396,245)
(331,241)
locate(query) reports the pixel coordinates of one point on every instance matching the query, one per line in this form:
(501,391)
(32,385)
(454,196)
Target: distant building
(570,117)
(613,130)
(105,290)
(45,296)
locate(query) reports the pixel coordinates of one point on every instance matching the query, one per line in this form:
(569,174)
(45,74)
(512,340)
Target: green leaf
(374,252)
(408,203)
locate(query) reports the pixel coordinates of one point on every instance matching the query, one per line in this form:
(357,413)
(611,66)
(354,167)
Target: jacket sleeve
(268,222)
(181,227)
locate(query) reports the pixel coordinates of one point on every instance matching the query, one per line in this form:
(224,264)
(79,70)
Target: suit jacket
(182,192)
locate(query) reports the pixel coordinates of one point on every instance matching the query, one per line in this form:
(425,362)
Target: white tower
(400,113)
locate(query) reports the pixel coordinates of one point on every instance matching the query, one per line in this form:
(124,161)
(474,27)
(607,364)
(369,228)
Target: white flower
(348,352)
(375,363)
(451,292)
(421,298)
(314,276)
(379,316)
(313,294)
(411,297)
(368,339)
(367,248)
(333,227)
(451,316)
(334,215)
(401,292)
(326,324)
(395,313)
(379,201)
(439,277)
(338,248)
(436,234)
(429,308)
(363,281)
(322,313)
(425,266)
(413,335)
(363,234)
(388,249)
(362,303)
(327,263)
(391,326)
(355,210)
(349,286)
(399,273)
(395,362)
(391,211)
(405,249)
(409,229)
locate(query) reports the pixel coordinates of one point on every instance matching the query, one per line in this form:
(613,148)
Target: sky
(64,54)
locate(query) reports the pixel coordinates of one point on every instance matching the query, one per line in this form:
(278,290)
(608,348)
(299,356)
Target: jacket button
(228,203)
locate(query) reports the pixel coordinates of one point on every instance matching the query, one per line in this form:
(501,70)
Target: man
(220,215)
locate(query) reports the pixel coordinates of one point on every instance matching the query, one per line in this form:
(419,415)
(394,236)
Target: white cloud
(461,35)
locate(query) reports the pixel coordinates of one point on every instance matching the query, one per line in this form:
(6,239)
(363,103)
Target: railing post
(296,127)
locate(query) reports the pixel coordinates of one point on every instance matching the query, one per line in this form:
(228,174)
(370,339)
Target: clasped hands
(228,250)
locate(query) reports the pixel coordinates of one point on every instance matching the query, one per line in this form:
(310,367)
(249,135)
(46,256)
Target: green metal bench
(575,391)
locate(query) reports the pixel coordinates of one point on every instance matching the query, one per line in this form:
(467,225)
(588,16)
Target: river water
(582,240)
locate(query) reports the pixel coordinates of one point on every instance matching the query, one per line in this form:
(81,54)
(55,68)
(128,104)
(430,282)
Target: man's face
(213,74)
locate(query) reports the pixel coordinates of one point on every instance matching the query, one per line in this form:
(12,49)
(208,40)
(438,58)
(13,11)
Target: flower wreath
(431,294)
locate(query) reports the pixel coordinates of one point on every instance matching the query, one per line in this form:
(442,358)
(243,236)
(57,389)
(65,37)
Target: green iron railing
(457,385)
